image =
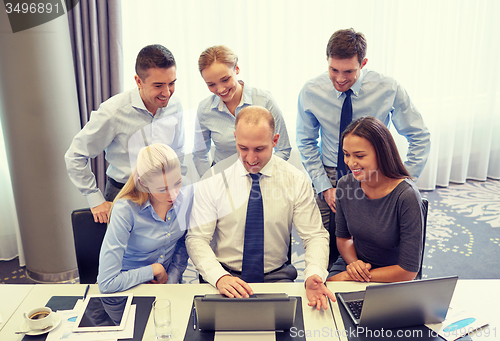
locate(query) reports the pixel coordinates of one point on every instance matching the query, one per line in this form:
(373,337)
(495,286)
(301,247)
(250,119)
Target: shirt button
(161,256)
(168,234)
(168,218)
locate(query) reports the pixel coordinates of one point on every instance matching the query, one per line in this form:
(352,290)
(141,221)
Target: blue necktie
(345,119)
(253,248)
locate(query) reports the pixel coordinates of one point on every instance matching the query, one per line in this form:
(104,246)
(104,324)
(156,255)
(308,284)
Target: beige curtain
(96,38)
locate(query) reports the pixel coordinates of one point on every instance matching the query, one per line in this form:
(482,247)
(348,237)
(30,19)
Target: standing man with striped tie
(346,92)
(246,213)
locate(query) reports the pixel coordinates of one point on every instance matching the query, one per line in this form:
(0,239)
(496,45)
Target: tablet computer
(104,312)
(269,312)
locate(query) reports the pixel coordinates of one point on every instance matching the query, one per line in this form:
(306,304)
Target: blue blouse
(137,238)
(215,123)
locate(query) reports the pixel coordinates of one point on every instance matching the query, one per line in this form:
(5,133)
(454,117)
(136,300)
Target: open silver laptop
(402,304)
(263,312)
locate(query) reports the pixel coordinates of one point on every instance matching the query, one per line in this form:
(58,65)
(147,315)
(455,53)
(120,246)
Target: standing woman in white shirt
(216,115)
(145,239)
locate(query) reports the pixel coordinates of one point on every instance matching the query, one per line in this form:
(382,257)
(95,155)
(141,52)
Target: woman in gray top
(379,216)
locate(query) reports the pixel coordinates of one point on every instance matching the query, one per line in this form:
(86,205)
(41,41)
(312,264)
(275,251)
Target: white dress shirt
(219,210)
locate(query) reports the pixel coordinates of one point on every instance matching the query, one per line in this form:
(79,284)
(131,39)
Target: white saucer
(56,321)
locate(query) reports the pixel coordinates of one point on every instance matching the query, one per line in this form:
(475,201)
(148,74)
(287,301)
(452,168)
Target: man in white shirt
(216,238)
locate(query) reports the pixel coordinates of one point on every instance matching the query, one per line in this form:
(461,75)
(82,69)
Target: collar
(246,97)
(137,100)
(139,104)
(146,204)
(356,87)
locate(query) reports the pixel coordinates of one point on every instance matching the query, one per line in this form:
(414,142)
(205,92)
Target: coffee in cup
(39,318)
(39,315)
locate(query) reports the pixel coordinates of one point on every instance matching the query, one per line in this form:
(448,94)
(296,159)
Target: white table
(11,296)
(475,295)
(479,296)
(181,296)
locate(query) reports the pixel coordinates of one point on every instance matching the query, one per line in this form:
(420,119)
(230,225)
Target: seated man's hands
(160,274)
(233,287)
(317,292)
(101,212)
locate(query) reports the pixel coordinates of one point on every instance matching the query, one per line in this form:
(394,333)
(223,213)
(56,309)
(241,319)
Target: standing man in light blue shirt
(149,112)
(373,94)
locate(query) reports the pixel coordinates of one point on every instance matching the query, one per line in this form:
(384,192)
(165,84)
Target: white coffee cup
(39,318)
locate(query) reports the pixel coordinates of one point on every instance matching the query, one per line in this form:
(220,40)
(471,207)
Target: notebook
(259,312)
(402,304)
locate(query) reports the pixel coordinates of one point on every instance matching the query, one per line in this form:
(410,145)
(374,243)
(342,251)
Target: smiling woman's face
(221,80)
(360,157)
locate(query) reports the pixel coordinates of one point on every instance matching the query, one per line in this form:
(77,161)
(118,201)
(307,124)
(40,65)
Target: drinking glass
(163,319)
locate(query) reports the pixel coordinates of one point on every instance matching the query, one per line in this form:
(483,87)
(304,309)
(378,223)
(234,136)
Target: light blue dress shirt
(319,108)
(216,123)
(137,237)
(110,128)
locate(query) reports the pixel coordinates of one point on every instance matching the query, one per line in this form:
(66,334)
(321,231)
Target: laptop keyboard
(355,307)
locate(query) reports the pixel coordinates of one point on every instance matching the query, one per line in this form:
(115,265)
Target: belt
(239,272)
(115,183)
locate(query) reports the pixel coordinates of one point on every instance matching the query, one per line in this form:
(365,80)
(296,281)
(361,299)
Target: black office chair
(425,209)
(88,236)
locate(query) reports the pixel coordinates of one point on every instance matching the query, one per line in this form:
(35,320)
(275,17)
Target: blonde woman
(144,242)
(219,69)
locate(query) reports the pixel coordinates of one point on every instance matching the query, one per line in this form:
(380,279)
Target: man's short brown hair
(345,44)
(153,56)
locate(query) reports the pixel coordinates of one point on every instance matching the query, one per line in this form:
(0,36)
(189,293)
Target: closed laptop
(263,312)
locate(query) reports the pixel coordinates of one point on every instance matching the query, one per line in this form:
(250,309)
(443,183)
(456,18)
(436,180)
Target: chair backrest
(88,236)
(425,209)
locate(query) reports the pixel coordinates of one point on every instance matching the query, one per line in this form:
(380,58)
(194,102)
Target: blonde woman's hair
(154,160)
(220,53)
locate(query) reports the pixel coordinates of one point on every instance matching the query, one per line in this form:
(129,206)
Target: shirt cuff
(146,274)
(95,199)
(315,270)
(215,275)
(322,183)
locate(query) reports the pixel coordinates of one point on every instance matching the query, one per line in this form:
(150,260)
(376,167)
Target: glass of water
(163,319)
